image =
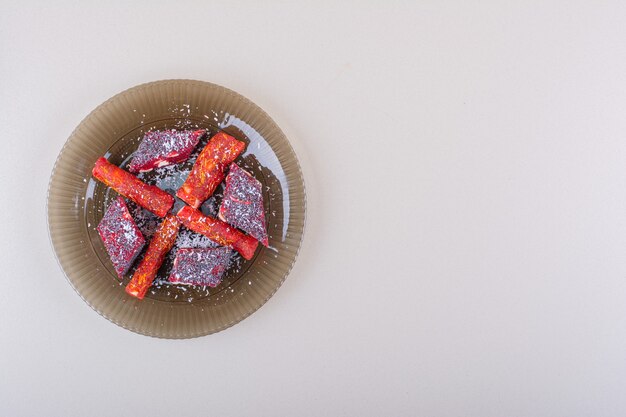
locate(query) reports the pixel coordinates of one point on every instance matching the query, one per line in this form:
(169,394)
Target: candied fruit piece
(200,266)
(161,243)
(122,238)
(147,196)
(208,171)
(242,205)
(164,147)
(218,231)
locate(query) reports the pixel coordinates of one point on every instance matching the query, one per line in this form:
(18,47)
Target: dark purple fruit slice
(164,147)
(242,205)
(122,238)
(200,266)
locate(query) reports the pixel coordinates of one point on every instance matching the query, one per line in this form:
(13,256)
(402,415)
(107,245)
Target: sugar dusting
(188,239)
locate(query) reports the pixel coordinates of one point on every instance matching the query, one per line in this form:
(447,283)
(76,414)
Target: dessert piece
(161,243)
(122,238)
(218,231)
(208,171)
(147,196)
(164,147)
(200,266)
(242,205)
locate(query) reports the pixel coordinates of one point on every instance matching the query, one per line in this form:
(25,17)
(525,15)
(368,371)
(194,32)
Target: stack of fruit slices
(239,228)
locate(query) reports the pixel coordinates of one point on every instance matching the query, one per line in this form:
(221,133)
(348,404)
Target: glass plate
(76,203)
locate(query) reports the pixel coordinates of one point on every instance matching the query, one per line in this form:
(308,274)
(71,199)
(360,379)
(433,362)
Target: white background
(465,251)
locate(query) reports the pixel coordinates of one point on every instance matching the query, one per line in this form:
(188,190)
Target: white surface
(465,253)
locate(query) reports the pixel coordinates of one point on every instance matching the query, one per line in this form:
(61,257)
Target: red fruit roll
(147,196)
(208,171)
(160,245)
(218,231)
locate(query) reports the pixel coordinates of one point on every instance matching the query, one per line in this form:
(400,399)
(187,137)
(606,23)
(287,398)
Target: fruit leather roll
(208,170)
(147,196)
(218,231)
(160,245)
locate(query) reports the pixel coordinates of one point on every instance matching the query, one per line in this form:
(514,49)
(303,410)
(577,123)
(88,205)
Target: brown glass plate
(76,203)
